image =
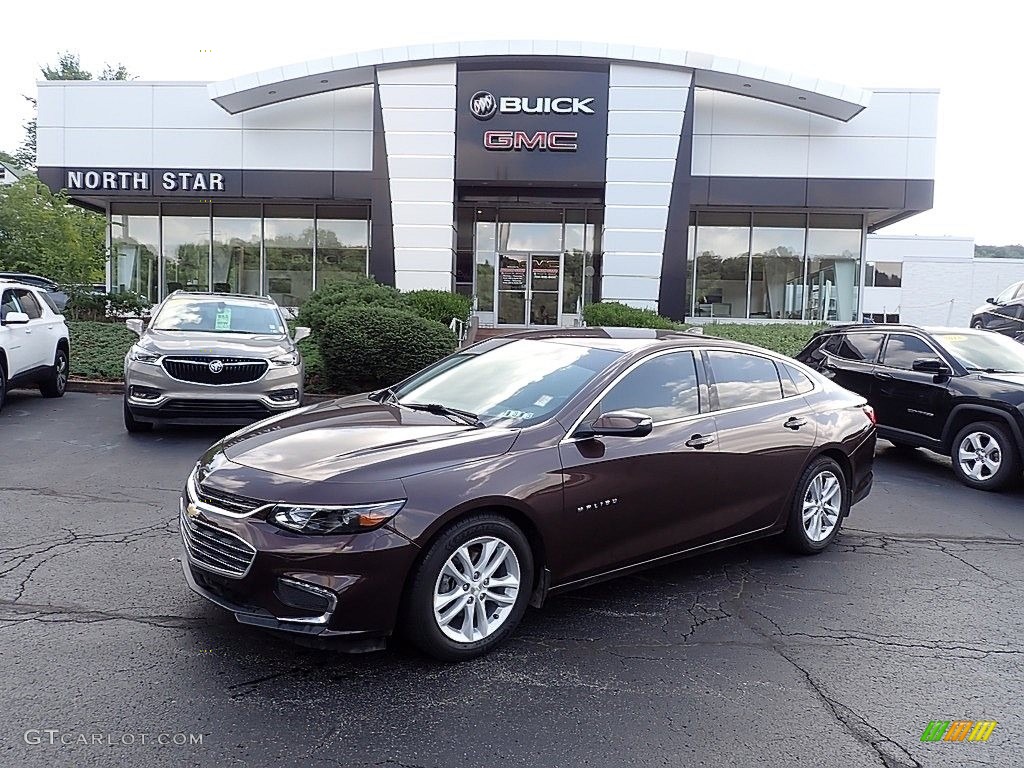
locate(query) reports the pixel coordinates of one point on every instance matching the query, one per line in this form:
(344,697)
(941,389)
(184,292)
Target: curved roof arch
(294,81)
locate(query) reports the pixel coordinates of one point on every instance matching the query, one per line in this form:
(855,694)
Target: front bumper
(346,587)
(152,395)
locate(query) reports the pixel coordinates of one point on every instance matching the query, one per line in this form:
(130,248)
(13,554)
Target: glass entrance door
(529,285)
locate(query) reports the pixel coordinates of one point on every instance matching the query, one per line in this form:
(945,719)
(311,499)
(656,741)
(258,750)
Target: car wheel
(820,503)
(3,386)
(984,456)
(56,381)
(132,424)
(470,590)
(977,324)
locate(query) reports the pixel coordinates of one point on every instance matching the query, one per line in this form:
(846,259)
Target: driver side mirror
(134,325)
(15,318)
(991,301)
(617,424)
(933,366)
(301,333)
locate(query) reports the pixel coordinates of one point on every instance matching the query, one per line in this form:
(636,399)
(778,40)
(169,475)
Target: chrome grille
(236,370)
(232,502)
(215,550)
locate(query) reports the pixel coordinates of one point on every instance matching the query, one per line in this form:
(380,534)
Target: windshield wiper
(384,395)
(988,370)
(466,417)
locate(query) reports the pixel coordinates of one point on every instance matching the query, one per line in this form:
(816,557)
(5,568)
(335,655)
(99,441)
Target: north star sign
(140,181)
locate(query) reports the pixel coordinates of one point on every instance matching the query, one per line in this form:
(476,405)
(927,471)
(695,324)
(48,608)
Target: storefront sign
(555,141)
(484,105)
(512,277)
(148,181)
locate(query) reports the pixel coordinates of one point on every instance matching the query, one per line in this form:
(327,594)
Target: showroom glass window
(777,266)
(135,250)
(288,236)
(741,379)
(903,349)
(578,261)
(833,267)
(186,244)
(883,274)
(342,243)
(663,387)
(722,263)
(236,248)
(485,243)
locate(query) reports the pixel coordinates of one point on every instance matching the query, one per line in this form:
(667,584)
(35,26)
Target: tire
(994,463)
(977,324)
(826,508)
(3,386)
(473,536)
(132,424)
(56,381)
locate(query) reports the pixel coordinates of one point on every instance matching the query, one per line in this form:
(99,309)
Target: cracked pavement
(743,657)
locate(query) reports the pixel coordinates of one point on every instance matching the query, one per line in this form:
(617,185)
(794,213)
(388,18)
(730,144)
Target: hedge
(785,338)
(333,296)
(439,306)
(612,314)
(370,347)
(98,349)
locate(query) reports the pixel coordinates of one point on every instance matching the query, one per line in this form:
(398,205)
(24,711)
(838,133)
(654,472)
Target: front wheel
(470,590)
(3,386)
(132,424)
(984,456)
(820,503)
(977,324)
(56,381)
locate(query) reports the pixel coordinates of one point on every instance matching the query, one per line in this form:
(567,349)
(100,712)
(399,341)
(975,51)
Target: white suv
(34,346)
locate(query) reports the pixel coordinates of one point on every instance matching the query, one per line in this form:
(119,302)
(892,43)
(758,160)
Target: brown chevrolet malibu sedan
(516,468)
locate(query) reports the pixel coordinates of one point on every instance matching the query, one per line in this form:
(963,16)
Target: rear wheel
(3,386)
(132,424)
(471,589)
(984,456)
(820,503)
(56,381)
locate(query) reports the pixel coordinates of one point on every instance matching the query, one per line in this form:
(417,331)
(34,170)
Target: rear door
(633,498)
(14,339)
(38,345)
(765,436)
(907,400)
(849,359)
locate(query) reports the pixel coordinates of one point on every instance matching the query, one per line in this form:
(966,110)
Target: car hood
(211,344)
(1016,380)
(356,440)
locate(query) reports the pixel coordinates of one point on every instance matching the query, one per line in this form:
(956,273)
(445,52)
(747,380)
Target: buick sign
(483,105)
(216,366)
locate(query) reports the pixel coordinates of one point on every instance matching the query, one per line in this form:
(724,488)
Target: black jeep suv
(954,391)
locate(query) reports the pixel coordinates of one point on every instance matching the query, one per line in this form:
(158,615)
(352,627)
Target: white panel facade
(646,107)
(421,167)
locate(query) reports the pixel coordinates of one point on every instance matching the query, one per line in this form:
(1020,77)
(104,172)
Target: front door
(529,286)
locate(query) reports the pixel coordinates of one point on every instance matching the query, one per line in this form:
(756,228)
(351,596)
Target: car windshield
(512,383)
(984,351)
(218,316)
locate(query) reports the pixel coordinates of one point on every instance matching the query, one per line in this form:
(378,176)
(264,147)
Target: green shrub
(98,349)
(333,296)
(371,347)
(785,338)
(83,304)
(612,314)
(440,306)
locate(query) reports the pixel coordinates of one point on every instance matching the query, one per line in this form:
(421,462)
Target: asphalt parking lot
(743,657)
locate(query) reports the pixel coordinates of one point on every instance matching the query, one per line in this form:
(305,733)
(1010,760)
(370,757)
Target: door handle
(883,376)
(699,441)
(794,422)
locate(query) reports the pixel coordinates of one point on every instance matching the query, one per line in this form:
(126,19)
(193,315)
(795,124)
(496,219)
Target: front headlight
(318,519)
(140,355)
(292,358)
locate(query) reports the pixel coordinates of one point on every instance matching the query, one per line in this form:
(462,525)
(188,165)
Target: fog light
(144,393)
(303,596)
(285,395)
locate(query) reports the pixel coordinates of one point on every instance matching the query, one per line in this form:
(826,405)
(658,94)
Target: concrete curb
(117,388)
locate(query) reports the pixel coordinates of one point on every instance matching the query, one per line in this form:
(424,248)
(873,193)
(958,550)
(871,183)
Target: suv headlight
(292,358)
(318,519)
(140,355)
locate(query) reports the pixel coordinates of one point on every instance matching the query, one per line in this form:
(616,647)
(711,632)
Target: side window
(794,381)
(1009,293)
(8,304)
(29,305)
(814,351)
(48,301)
(1020,292)
(861,347)
(664,387)
(902,350)
(743,379)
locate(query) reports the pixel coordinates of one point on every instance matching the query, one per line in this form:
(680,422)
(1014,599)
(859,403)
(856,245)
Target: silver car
(209,358)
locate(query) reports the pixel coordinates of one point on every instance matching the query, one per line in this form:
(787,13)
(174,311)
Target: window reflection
(777,272)
(289,249)
(236,255)
(833,274)
(186,241)
(342,249)
(722,256)
(134,255)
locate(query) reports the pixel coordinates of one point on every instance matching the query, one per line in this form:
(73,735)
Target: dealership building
(535,177)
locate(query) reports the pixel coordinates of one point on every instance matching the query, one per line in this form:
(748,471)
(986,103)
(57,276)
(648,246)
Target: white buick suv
(34,346)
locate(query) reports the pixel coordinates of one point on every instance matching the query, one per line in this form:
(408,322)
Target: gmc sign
(554,141)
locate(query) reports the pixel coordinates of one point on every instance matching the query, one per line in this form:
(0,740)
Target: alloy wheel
(823,503)
(62,373)
(980,456)
(476,589)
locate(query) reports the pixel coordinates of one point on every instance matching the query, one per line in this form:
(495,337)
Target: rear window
(794,381)
(742,379)
(48,300)
(861,347)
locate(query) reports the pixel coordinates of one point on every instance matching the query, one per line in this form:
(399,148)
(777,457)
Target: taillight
(870,413)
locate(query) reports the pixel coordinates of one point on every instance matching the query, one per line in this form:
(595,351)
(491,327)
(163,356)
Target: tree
(42,233)
(68,68)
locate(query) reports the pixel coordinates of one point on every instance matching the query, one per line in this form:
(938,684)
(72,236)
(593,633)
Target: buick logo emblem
(483,105)
(216,366)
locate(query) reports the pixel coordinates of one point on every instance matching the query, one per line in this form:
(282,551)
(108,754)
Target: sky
(970,51)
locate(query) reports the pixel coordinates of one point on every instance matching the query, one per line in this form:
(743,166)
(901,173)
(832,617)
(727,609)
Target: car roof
(901,328)
(7,282)
(213,295)
(625,340)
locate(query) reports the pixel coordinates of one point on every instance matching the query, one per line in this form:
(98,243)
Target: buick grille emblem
(216,366)
(483,105)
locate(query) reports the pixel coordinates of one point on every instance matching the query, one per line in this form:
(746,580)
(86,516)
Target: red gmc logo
(552,141)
